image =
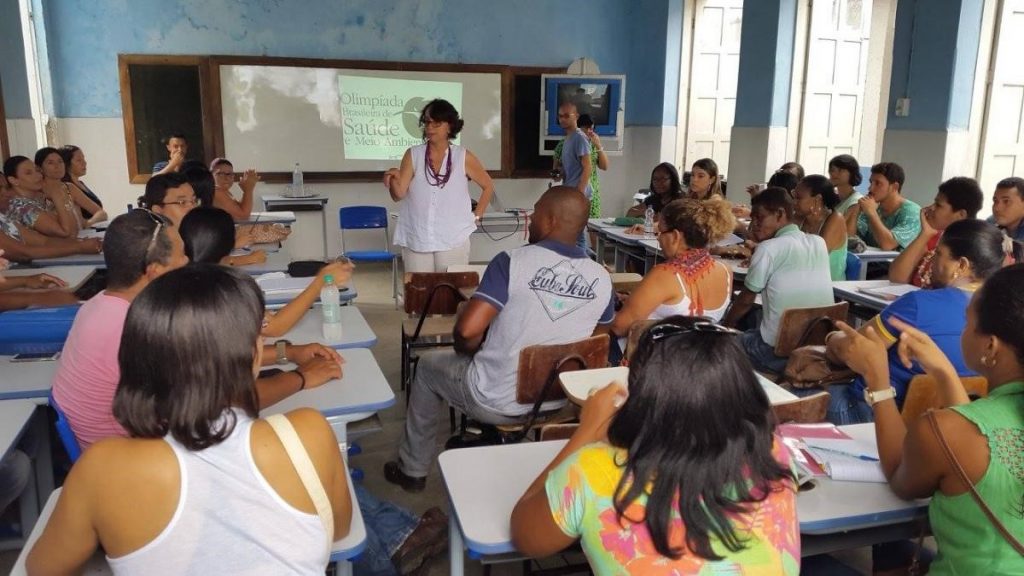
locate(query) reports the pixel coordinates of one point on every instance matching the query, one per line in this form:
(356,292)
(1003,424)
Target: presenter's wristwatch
(873,397)
(281,348)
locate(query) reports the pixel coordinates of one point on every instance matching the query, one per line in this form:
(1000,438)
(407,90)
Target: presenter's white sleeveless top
(433,219)
(229,520)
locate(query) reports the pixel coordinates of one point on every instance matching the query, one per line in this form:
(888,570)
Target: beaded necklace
(434,177)
(693,265)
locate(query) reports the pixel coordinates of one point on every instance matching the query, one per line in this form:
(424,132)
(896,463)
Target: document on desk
(889,293)
(730,240)
(846,459)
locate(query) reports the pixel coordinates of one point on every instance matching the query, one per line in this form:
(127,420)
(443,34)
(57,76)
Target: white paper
(730,240)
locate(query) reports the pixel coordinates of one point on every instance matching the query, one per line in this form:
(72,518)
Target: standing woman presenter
(435,215)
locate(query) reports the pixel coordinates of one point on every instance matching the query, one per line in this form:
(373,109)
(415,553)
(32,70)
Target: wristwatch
(872,397)
(280,347)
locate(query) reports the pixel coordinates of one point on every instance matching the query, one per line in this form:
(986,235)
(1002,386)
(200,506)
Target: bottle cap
(329,279)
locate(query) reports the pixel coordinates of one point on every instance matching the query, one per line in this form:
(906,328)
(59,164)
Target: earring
(985,361)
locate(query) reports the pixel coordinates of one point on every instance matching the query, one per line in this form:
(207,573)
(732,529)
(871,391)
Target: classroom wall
(85,36)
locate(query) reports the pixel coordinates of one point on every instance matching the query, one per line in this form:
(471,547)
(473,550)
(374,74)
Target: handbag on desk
(809,367)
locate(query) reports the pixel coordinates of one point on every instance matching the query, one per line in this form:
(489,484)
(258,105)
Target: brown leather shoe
(428,539)
(393,473)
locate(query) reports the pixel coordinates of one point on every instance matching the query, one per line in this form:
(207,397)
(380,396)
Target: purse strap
(974,491)
(307,473)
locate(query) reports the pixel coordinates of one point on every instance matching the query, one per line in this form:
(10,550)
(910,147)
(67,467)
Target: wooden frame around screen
(213,118)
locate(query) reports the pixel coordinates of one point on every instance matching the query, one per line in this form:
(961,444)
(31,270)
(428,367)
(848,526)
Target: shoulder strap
(307,473)
(974,491)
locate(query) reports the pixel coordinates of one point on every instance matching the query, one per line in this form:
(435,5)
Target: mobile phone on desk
(36,357)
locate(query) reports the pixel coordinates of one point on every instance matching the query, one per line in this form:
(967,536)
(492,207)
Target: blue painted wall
(86,36)
(766,63)
(935,70)
(12,62)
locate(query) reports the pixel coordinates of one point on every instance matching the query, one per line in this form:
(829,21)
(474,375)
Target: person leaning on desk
(984,437)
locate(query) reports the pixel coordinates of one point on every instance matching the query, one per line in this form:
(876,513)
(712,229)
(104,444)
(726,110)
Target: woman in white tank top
(203,486)
(690,282)
(435,214)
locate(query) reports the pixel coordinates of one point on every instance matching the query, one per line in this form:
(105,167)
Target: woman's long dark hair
(980,242)
(187,355)
(208,234)
(675,189)
(697,426)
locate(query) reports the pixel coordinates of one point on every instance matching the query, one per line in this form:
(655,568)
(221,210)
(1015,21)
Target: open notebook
(889,293)
(826,450)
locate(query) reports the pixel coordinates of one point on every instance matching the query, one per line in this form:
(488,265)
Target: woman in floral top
(680,473)
(51,215)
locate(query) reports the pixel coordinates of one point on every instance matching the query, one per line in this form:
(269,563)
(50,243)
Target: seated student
(201,179)
(548,292)
(28,205)
(887,220)
(690,282)
(170,195)
(789,269)
(1008,207)
(208,234)
(793,168)
(177,151)
(224,177)
(983,436)
(51,163)
(815,200)
(203,485)
(22,244)
(787,179)
(678,473)
(958,198)
(76,167)
(969,252)
(844,173)
(705,182)
(665,187)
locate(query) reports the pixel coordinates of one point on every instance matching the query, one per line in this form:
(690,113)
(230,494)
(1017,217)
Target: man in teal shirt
(887,220)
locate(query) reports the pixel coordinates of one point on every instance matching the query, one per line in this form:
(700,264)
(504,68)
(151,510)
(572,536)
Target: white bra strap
(307,473)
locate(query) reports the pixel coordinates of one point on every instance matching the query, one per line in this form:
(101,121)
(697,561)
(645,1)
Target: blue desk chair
(67,436)
(853,265)
(369,218)
(36,330)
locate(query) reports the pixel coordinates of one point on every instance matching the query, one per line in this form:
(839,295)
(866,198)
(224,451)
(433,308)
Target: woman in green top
(598,159)
(815,203)
(986,436)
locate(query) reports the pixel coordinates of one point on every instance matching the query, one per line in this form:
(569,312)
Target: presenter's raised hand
(390,175)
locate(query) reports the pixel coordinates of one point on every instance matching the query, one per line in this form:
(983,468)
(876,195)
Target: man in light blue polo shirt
(576,164)
(789,269)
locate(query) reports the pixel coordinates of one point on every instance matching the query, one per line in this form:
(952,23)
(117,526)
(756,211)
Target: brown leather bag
(808,366)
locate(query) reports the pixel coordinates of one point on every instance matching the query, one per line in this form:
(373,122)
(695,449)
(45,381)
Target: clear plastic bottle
(649,221)
(330,306)
(297,189)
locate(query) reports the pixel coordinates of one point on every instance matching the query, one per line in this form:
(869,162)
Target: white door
(837,54)
(713,73)
(1003,149)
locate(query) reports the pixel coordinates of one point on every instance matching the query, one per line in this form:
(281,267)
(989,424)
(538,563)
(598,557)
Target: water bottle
(649,221)
(297,181)
(330,306)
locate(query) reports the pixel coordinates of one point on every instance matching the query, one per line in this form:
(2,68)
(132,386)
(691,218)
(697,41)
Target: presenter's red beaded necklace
(435,178)
(693,265)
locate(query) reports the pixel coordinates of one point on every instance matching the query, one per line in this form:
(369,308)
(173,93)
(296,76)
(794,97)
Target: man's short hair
(892,172)
(1012,182)
(127,247)
(772,199)
(963,193)
(177,135)
(157,187)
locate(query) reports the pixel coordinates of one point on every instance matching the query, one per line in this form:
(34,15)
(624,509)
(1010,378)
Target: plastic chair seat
(370,255)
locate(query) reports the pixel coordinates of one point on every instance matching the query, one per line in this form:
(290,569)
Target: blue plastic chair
(36,330)
(853,265)
(369,218)
(67,436)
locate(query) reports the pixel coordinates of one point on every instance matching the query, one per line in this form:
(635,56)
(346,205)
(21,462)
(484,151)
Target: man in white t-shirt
(548,292)
(789,269)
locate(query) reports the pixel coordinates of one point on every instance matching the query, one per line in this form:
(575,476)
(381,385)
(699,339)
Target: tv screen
(598,97)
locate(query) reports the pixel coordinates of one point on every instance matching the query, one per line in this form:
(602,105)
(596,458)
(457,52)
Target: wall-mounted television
(600,96)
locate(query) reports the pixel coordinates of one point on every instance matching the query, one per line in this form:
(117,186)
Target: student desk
(275,202)
(75,276)
(873,254)
(355,332)
(849,291)
(73,260)
(345,549)
(26,379)
(484,484)
(276,262)
(268,218)
(277,297)
(16,418)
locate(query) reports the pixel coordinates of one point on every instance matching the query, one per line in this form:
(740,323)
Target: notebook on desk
(826,450)
(889,293)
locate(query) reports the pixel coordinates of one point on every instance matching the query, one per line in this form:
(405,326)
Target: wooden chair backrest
(418,286)
(557,431)
(536,364)
(795,322)
(806,410)
(636,330)
(923,394)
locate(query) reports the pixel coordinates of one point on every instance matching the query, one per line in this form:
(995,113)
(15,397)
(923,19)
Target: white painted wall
(21,134)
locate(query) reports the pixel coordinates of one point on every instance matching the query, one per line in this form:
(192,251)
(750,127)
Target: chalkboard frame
(212,114)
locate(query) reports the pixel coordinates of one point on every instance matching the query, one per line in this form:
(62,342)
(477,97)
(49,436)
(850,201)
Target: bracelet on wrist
(302,379)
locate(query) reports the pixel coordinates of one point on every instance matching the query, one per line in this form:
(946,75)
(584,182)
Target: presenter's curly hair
(439,110)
